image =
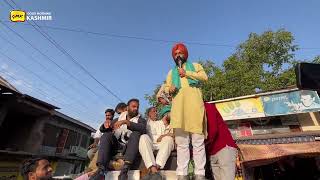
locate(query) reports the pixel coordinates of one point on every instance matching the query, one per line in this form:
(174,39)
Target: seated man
(36,168)
(127,129)
(160,137)
(93,148)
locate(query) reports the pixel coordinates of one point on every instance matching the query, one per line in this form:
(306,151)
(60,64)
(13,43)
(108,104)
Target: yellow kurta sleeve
(168,83)
(199,73)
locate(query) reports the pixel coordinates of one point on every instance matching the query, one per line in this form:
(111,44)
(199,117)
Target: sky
(129,47)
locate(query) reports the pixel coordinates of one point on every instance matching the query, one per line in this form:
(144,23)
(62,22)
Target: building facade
(30,127)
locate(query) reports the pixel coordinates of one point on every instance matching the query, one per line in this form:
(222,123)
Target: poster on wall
(241,109)
(291,103)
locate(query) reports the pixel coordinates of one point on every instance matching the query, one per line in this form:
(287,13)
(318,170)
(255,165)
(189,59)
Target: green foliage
(264,62)
(316,60)
(152,99)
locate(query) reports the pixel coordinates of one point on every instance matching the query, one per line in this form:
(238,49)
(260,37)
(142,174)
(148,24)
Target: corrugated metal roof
(7,85)
(4,84)
(70,119)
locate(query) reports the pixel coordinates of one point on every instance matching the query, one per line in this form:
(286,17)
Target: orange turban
(182,48)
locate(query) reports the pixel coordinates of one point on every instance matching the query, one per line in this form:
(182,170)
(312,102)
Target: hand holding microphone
(182,72)
(179,61)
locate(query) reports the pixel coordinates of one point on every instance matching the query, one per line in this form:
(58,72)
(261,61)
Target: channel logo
(18,16)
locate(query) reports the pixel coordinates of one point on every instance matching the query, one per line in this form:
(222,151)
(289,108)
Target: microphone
(179,62)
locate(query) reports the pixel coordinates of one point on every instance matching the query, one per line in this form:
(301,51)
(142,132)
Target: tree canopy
(264,62)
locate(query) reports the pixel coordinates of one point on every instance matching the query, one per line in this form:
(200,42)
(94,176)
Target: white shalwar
(148,143)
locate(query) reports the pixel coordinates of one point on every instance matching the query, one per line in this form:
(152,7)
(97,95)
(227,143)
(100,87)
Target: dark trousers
(109,145)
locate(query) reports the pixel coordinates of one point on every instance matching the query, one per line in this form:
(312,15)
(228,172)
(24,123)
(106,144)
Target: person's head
(36,169)
(179,50)
(121,107)
(109,114)
(152,113)
(307,99)
(133,107)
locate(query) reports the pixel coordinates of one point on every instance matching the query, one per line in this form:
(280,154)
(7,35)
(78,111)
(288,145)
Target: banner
(291,103)
(241,109)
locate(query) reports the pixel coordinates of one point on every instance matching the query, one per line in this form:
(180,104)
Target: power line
(14,3)
(131,37)
(72,109)
(9,4)
(144,38)
(138,38)
(43,66)
(60,48)
(51,60)
(39,91)
(44,94)
(47,69)
(40,78)
(45,54)
(29,43)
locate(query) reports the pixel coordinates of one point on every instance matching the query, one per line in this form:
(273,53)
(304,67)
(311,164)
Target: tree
(316,60)
(152,99)
(263,62)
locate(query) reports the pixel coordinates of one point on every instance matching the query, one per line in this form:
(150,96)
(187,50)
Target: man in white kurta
(159,137)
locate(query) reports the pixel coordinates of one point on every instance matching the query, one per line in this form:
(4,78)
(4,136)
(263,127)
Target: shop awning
(257,155)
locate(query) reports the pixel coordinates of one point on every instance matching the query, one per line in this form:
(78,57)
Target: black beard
(109,119)
(183,60)
(132,114)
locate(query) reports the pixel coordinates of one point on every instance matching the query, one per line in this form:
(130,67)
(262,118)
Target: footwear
(156,176)
(98,175)
(199,177)
(180,177)
(124,172)
(147,177)
(116,165)
(152,176)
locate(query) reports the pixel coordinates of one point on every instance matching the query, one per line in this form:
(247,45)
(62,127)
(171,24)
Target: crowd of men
(183,121)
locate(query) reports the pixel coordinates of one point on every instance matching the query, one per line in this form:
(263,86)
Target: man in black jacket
(127,129)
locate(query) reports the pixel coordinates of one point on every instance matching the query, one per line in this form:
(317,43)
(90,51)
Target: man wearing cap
(159,137)
(187,113)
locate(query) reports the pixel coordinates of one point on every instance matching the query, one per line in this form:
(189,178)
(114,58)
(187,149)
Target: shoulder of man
(114,120)
(196,64)
(141,119)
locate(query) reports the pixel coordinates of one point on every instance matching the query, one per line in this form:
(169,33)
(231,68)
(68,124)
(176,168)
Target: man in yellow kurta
(187,113)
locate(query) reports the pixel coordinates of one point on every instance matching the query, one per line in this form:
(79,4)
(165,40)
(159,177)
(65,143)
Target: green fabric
(164,111)
(176,77)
